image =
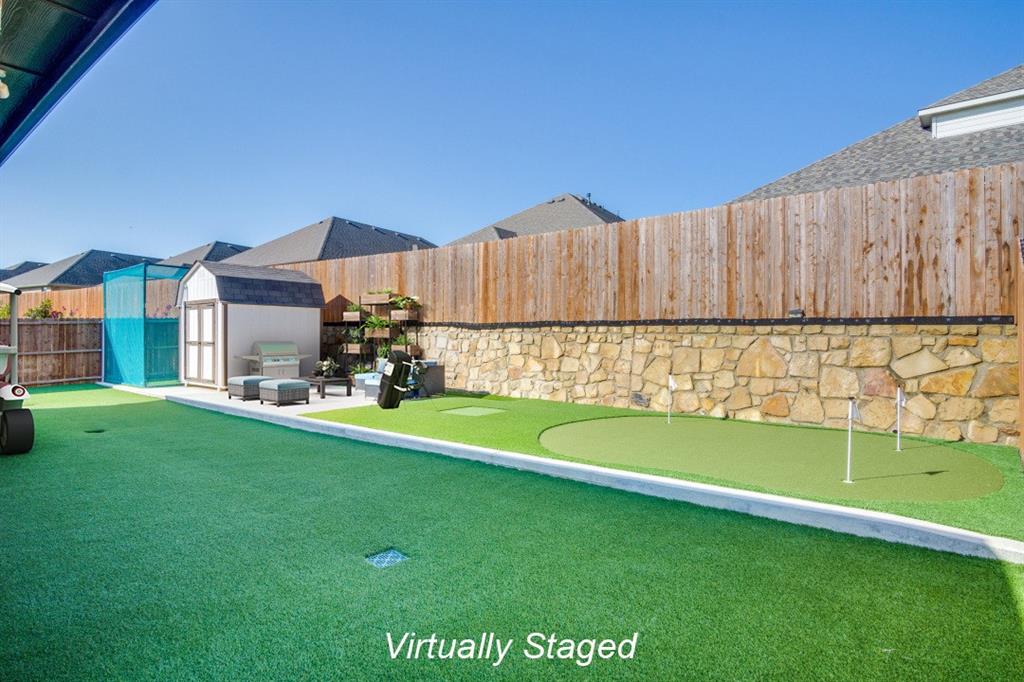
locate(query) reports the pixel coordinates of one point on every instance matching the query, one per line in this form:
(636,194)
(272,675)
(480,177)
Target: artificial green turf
(802,461)
(925,481)
(180,543)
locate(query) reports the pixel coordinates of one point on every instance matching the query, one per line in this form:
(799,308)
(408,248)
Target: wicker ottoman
(279,391)
(245,387)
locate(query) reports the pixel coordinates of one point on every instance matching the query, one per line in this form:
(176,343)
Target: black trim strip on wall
(720,322)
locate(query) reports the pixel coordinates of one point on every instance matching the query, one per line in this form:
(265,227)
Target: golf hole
(473,411)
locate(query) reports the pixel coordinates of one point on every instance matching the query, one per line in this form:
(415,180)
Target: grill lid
(275,348)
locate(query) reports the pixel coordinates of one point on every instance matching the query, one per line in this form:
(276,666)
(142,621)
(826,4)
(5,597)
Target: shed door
(200,342)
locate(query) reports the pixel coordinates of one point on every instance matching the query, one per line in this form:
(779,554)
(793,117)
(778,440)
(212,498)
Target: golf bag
(394,380)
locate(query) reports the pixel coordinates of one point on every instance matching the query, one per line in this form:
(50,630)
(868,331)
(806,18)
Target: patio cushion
(284,384)
(246,380)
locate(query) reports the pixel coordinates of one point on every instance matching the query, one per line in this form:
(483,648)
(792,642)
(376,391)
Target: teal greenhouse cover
(140,324)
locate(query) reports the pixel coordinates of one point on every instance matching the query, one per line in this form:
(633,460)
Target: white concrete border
(850,520)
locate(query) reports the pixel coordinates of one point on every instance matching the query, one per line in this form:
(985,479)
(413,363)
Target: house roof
(18,268)
(262,286)
(907,149)
(328,239)
(81,270)
(46,47)
(563,212)
(215,251)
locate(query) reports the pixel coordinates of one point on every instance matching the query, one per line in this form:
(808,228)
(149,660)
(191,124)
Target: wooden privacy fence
(931,246)
(56,351)
(84,303)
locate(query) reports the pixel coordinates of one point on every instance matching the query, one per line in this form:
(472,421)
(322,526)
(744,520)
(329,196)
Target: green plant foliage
(354,308)
(405,302)
(44,311)
(383,350)
(5,311)
(377,322)
(354,334)
(327,367)
(402,340)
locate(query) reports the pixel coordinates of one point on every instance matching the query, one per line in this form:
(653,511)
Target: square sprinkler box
(389,557)
(473,411)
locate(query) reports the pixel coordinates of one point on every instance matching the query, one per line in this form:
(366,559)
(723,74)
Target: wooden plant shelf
(355,348)
(375,299)
(405,315)
(353,316)
(412,349)
(386,333)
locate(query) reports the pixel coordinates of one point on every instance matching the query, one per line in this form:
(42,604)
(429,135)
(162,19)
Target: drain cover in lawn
(389,557)
(473,411)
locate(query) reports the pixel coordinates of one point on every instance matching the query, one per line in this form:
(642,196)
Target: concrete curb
(850,520)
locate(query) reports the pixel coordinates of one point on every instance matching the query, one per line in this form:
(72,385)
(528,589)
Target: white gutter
(926,115)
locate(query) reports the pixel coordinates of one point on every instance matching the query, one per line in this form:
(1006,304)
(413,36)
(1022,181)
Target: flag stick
(671,387)
(849,445)
(899,412)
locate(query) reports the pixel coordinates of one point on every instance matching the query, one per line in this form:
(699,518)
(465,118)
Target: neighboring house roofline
(565,211)
(979,126)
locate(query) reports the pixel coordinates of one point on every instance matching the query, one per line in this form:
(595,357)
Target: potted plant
(383,351)
(378,297)
(353,313)
(377,327)
(403,344)
(354,343)
(326,367)
(407,307)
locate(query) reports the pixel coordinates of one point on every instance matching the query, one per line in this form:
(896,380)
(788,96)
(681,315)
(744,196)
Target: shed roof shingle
(264,286)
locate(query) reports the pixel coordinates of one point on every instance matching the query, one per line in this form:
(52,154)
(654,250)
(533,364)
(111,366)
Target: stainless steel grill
(277,359)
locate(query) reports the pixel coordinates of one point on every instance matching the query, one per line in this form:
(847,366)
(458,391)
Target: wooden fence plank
(942,245)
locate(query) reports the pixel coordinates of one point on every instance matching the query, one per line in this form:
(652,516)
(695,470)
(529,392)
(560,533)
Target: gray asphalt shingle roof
(215,251)
(18,268)
(563,212)
(264,286)
(81,270)
(907,150)
(328,239)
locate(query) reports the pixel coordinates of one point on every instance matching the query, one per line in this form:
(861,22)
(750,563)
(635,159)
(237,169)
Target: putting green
(802,460)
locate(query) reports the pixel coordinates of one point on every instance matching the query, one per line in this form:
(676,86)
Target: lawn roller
(17,430)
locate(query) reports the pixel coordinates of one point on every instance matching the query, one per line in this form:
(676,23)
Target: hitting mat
(804,461)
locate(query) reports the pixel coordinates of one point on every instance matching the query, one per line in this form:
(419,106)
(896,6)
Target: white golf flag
(854,411)
(901,398)
(672,383)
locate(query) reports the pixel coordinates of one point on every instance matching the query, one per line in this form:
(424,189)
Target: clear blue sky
(243,121)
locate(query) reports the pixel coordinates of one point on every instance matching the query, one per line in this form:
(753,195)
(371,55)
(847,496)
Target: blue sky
(243,121)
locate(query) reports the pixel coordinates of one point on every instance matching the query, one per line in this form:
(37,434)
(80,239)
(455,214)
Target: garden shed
(226,308)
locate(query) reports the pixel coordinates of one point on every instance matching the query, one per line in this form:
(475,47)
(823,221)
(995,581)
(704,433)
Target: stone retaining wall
(960,380)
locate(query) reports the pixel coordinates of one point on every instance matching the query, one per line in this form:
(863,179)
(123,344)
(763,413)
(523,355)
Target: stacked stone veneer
(960,380)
